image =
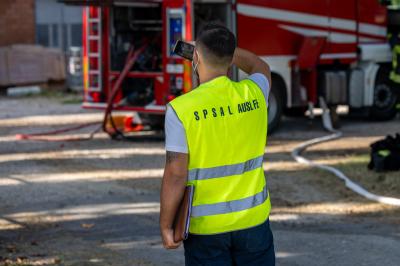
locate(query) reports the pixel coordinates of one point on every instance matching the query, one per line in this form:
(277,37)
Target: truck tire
(295,112)
(275,105)
(385,98)
(155,121)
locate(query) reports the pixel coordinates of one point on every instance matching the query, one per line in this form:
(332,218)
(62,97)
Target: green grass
(384,183)
(60,96)
(73,100)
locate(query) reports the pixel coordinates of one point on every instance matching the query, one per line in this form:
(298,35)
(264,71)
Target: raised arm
(251,63)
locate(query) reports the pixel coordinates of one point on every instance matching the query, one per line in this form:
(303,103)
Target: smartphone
(184,49)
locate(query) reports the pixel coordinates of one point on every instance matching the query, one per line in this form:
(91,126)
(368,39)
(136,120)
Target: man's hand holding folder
(182,217)
(173,195)
(173,237)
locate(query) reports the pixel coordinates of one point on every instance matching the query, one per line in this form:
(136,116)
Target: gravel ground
(97,202)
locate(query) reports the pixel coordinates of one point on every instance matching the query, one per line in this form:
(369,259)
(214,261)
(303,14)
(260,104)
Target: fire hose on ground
(44,136)
(355,187)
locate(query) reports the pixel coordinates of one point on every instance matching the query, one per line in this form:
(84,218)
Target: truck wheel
(155,121)
(275,105)
(385,98)
(295,112)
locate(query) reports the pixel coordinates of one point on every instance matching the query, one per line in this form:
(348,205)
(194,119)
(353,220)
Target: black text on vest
(213,112)
(225,111)
(248,106)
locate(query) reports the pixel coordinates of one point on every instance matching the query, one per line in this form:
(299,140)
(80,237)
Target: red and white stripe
(337,30)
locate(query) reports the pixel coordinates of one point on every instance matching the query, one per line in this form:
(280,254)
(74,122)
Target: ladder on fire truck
(94,48)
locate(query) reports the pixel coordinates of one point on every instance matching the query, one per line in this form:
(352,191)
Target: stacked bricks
(17,22)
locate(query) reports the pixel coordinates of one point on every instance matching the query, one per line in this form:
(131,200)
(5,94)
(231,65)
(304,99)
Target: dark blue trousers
(252,246)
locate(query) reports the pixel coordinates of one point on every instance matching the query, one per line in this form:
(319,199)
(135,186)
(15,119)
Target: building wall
(58,25)
(17,22)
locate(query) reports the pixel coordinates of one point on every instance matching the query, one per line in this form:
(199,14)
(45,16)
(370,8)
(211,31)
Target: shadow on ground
(97,202)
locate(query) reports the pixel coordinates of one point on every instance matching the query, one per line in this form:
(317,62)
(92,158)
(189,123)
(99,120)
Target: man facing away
(215,140)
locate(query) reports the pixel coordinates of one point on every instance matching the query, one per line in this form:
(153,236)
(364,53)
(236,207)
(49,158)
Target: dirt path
(96,202)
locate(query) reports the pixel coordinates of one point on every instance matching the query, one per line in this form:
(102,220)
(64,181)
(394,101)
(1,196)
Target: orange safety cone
(130,125)
(119,123)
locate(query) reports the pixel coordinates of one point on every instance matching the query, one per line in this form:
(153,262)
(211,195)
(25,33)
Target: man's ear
(197,55)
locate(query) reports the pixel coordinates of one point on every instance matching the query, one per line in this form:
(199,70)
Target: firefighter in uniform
(215,141)
(394,41)
(395,44)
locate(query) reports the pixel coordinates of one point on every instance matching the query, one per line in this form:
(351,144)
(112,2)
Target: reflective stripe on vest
(395,73)
(226,129)
(227,170)
(231,206)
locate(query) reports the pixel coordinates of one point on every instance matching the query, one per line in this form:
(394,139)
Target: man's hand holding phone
(184,49)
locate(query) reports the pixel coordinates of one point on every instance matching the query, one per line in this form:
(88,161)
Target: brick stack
(17,22)
(30,64)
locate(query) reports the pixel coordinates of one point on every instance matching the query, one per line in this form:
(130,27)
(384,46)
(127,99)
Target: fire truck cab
(337,50)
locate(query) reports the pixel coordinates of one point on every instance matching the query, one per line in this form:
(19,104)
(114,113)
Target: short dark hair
(217,44)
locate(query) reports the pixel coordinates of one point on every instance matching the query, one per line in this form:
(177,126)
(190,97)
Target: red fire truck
(337,50)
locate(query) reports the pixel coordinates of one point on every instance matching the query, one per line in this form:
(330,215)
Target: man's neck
(211,76)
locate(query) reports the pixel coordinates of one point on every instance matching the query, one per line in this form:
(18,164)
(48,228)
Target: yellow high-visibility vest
(395,73)
(226,130)
(395,3)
